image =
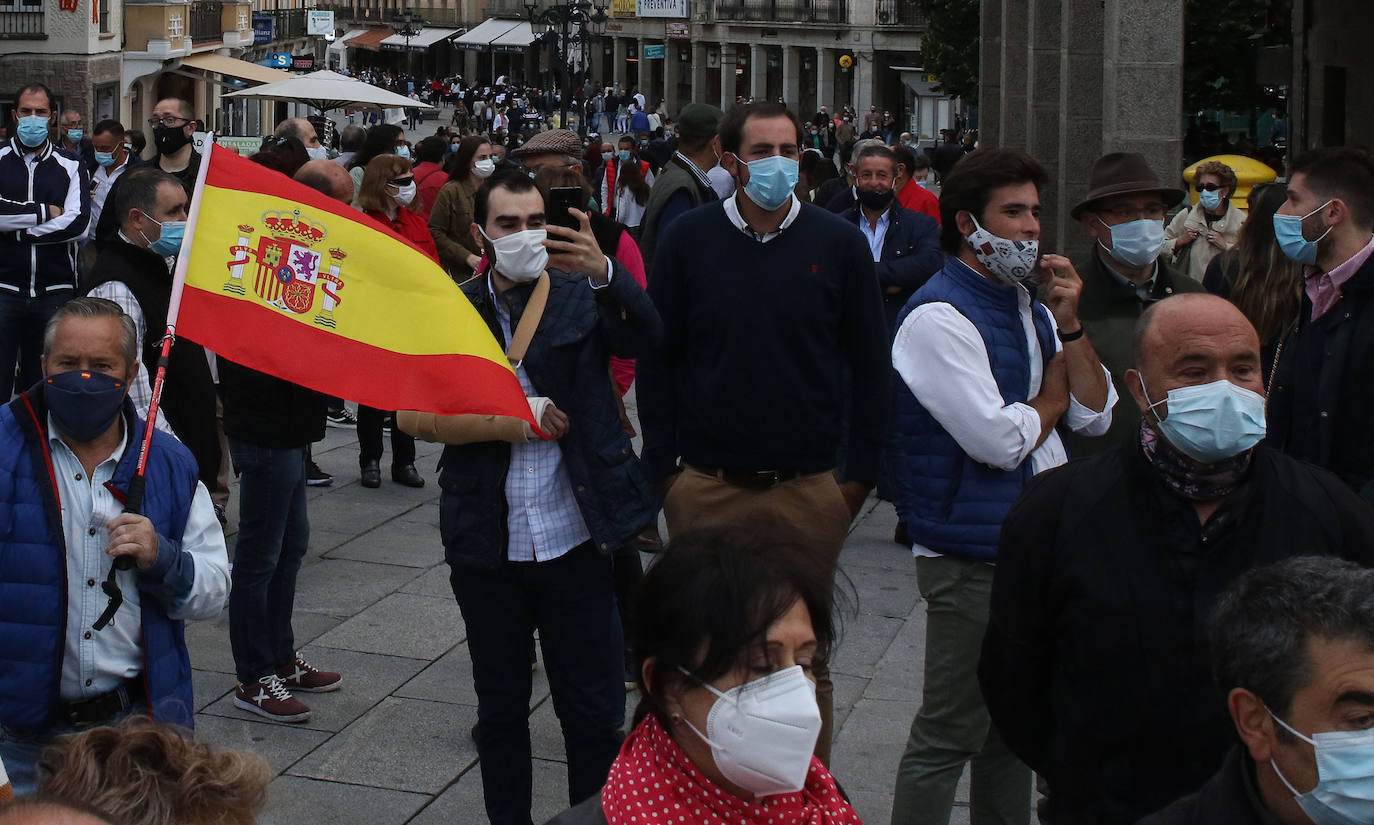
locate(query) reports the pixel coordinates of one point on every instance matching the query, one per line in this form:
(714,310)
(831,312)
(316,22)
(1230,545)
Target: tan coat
(450,222)
(1191,259)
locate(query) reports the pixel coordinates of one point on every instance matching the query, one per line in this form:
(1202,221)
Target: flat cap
(556,141)
(698,120)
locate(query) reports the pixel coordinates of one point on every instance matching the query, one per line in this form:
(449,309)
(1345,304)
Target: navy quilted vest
(950,503)
(33,570)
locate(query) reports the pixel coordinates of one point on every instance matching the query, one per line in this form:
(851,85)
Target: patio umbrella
(325,90)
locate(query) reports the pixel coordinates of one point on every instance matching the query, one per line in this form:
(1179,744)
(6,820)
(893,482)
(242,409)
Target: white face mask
(484,168)
(405,195)
(763,732)
(317,152)
(1011,261)
(521,256)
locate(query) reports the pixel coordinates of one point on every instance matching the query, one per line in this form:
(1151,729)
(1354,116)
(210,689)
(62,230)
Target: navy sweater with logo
(765,344)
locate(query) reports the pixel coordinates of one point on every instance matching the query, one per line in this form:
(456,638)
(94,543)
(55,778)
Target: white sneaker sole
(275,717)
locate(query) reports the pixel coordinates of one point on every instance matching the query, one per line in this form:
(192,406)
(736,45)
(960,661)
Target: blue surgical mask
(83,403)
(75,135)
(771,180)
(1136,243)
(1211,422)
(1209,198)
(402,151)
(1344,794)
(105,159)
(605,156)
(623,154)
(33,130)
(169,242)
(1288,232)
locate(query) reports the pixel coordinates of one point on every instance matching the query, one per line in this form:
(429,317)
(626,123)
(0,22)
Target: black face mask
(169,139)
(876,201)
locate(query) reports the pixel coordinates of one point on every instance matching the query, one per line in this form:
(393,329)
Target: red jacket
(429,179)
(412,227)
(917,198)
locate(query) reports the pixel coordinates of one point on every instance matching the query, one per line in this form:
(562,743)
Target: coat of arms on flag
(289,267)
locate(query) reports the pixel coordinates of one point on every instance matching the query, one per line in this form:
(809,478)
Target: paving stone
(449,679)
(432,582)
(406,543)
(340,587)
(848,690)
(353,510)
(886,589)
(292,800)
(866,638)
(281,746)
(462,802)
(402,744)
(865,753)
(209,686)
(402,624)
(899,674)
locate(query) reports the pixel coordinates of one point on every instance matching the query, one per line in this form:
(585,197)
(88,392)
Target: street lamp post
(409,25)
(560,25)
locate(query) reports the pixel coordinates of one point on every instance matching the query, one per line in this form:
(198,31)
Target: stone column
(1142,82)
(863,83)
(825,79)
(791,79)
(1044,125)
(1015,54)
(700,93)
(990,74)
(758,71)
(729,59)
(470,65)
(1080,113)
(672,76)
(618,55)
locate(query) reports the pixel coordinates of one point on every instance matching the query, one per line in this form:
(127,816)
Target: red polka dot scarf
(653,782)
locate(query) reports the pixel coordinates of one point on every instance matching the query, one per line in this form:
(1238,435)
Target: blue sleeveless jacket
(33,568)
(950,503)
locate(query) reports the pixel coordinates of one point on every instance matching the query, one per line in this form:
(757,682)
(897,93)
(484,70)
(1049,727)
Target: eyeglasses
(1122,214)
(169,120)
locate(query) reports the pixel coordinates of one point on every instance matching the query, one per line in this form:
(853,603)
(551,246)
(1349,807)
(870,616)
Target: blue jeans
(21,337)
(273,534)
(571,600)
(19,752)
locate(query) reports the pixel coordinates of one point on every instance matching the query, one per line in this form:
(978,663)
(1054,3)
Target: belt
(90,712)
(750,479)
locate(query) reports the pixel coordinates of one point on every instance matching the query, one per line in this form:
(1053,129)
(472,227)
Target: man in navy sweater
(768,304)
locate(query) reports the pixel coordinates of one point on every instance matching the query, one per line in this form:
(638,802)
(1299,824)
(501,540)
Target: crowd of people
(1176,627)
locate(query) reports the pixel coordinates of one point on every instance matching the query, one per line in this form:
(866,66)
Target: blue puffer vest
(33,569)
(950,503)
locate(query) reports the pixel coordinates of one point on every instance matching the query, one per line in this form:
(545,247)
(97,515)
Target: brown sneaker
(269,698)
(302,676)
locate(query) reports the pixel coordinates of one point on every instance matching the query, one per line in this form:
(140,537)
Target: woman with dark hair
(632,183)
(382,139)
(1255,275)
(728,629)
(450,221)
(281,154)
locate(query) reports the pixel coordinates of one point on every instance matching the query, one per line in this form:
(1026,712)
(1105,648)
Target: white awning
(339,43)
(517,39)
(426,38)
(481,37)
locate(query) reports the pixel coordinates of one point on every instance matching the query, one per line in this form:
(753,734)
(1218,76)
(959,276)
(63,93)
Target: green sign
(654,52)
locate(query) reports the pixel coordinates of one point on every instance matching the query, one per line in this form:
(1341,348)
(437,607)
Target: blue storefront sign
(654,52)
(263,29)
(277,60)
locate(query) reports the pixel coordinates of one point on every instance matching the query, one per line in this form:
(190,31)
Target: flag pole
(133,499)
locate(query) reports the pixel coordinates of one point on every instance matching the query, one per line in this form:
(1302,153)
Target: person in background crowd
(1078,635)
(72,137)
(1197,235)
(133,270)
(45,208)
(388,190)
(731,629)
(304,131)
(910,192)
(1255,275)
(112,159)
(74,438)
(281,154)
(947,154)
(137,142)
(450,221)
(430,176)
(766,302)
(351,141)
(1292,650)
(626,153)
(173,124)
(518,567)
(988,376)
(139,772)
(383,139)
(1123,213)
(1320,394)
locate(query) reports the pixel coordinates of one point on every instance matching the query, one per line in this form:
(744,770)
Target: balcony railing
(288,23)
(21,25)
(899,13)
(205,21)
(782,11)
(374,12)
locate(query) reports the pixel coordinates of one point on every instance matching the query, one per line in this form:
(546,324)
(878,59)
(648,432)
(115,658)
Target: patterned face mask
(1011,261)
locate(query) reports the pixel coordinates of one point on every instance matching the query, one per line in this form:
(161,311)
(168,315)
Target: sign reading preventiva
(663,8)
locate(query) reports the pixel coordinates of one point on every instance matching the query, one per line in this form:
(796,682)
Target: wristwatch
(1069,337)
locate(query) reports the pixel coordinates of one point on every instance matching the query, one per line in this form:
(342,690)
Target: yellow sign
(846,61)
(624,8)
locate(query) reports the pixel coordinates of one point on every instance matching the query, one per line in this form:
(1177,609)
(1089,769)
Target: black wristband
(1069,337)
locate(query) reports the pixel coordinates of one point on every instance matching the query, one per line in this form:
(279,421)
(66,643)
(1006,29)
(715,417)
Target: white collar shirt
(732,212)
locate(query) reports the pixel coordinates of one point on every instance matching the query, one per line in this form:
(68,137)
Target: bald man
(304,131)
(1094,666)
(328,177)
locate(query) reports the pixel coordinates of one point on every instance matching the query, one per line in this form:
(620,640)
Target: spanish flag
(283,279)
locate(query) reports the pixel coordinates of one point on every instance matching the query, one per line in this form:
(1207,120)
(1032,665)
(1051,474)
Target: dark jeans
(273,534)
(571,600)
(20,751)
(629,571)
(370,439)
(21,337)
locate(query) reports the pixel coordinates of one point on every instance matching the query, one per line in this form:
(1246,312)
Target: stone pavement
(393,746)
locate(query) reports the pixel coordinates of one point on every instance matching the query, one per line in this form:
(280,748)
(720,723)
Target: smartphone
(560,199)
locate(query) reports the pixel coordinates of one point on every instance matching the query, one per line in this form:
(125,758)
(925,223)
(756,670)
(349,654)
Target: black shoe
(406,475)
(315,477)
(372,474)
(341,418)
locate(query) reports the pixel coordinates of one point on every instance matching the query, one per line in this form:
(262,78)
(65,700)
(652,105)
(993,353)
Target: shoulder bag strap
(529,321)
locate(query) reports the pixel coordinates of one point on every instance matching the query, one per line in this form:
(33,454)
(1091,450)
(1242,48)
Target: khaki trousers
(808,511)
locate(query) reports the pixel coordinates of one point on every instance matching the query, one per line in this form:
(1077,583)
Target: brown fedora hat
(1124,173)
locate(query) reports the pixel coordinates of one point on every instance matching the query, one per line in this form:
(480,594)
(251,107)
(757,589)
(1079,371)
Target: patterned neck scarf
(1188,477)
(653,782)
